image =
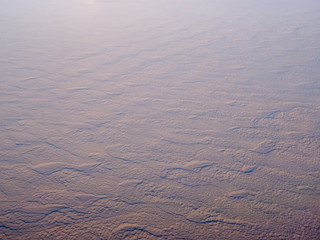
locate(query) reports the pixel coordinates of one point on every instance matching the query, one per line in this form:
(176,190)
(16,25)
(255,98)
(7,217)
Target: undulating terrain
(149,119)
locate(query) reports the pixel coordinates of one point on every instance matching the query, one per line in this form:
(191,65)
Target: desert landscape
(159,119)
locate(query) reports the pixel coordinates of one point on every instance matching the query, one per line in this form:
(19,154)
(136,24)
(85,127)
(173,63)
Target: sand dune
(159,119)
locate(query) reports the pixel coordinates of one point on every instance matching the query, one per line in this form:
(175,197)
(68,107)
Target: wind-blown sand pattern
(159,119)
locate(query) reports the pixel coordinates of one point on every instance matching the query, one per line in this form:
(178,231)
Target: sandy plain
(159,119)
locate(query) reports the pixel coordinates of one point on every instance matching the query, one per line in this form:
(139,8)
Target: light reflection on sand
(159,120)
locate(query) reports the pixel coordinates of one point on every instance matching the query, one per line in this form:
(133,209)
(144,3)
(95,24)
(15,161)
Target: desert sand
(159,119)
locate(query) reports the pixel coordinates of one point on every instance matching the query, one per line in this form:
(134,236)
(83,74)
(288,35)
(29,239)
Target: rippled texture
(159,119)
